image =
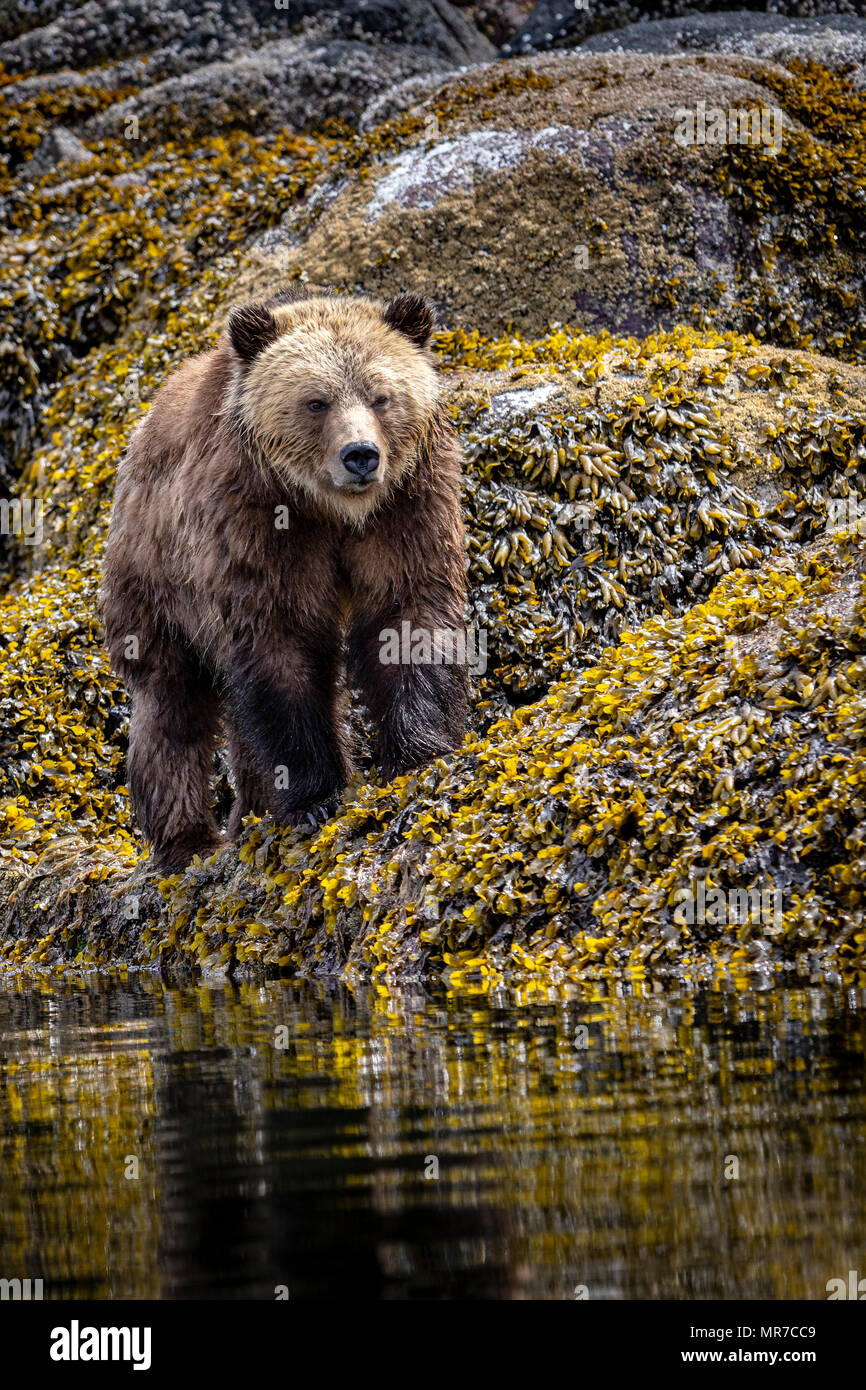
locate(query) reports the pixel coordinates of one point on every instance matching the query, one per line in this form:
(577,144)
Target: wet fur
(241,626)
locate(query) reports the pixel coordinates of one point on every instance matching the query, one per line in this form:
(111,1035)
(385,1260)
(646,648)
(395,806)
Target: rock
(59,146)
(286,84)
(564,24)
(155,67)
(203,32)
(834,40)
(498,19)
(555,190)
(19,16)
(403,96)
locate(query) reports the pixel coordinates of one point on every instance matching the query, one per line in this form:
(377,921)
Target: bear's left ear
(251,328)
(412,315)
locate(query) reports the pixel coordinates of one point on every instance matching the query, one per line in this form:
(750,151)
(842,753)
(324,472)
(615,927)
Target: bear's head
(335,394)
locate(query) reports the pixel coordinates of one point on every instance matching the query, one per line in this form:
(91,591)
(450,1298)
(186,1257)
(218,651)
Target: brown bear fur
(247,561)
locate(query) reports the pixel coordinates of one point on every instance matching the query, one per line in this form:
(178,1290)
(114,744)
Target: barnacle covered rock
(46,35)
(288,83)
(565,189)
(809,28)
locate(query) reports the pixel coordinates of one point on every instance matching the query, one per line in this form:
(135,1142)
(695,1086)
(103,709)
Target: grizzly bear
(289,496)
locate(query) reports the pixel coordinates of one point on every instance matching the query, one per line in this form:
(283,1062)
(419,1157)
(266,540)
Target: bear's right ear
(251,328)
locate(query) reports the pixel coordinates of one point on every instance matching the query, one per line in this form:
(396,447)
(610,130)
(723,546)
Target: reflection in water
(579,1142)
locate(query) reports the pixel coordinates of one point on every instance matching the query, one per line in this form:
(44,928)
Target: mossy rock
(553,190)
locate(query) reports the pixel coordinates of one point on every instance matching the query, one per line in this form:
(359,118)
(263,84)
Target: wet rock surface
(562,24)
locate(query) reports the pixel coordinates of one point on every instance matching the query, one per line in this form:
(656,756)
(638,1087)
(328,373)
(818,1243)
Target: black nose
(362,458)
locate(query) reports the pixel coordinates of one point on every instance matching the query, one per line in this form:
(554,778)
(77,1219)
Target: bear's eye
(380,402)
(317,406)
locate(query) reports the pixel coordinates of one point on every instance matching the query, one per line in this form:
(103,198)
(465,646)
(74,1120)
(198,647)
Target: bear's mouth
(356,486)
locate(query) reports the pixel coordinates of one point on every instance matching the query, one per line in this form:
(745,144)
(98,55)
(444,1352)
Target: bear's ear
(251,328)
(412,315)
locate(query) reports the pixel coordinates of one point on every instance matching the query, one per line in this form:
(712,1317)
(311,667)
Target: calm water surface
(580,1142)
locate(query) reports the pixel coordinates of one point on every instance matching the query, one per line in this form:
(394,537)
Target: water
(603,1160)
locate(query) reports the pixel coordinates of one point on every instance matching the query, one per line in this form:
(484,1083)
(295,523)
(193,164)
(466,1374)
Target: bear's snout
(360,459)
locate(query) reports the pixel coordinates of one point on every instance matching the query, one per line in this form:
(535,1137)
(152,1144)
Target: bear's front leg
(172,732)
(413,675)
(284,706)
